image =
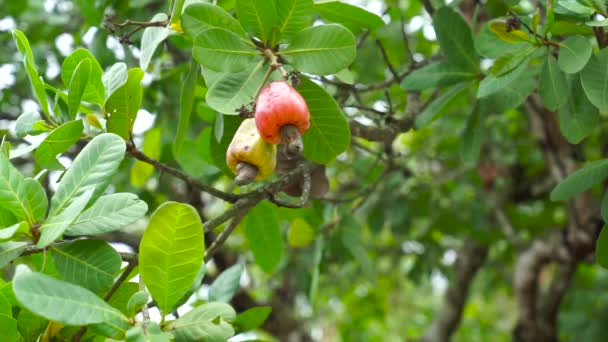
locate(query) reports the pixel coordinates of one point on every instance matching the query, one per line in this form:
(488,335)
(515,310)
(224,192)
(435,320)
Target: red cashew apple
(282,116)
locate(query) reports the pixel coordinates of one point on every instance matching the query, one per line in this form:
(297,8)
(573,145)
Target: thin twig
(123,277)
(139,155)
(388,63)
(221,239)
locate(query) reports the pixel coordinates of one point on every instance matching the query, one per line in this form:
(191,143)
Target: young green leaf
(581,180)
(93,168)
(552,87)
(78,84)
(25,124)
(56,224)
(222,50)
(186,104)
(114,78)
(593,78)
(151,39)
(209,322)
(122,106)
(329,133)
(224,287)
(141,172)
(293,16)
(58,141)
(92,264)
(300,233)
(199,17)
(436,75)
(23,45)
(10,250)
(493,84)
(25,198)
(353,17)
(321,50)
(574,53)
(94,89)
(252,318)
(9,232)
(455,38)
(262,231)
(258,17)
(59,300)
(171,252)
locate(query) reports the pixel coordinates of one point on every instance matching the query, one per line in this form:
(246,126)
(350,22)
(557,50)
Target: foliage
(475,139)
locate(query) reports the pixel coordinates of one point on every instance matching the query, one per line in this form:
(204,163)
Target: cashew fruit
(249,156)
(282,116)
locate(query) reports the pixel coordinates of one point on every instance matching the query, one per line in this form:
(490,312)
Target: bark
(470,259)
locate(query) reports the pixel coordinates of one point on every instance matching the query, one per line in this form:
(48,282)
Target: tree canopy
(439,173)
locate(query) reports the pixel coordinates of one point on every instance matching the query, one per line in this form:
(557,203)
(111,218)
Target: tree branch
(470,259)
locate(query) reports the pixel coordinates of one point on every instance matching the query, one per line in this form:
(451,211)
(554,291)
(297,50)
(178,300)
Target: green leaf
(604,208)
(56,224)
(300,233)
(552,87)
(9,232)
(455,38)
(208,322)
(252,318)
(123,104)
(599,23)
(436,75)
(23,45)
(171,252)
(137,301)
(508,35)
(121,297)
(221,50)
(92,264)
(512,95)
(218,149)
(24,198)
(594,78)
(353,17)
(579,117)
(114,78)
(94,90)
(321,50)
(574,53)
(601,249)
(434,109)
(58,141)
(186,103)
(293,16)
(329,133)
(493,84)
(199,17)
(141,172)
(581,180)
(25,124)
(576,7)
(8,326)
(92,168)
(151,39)
(61,301)
(226,285)
(261,228)
(31,326)
(10,250)
(232,90)
(472,136)
(510,61)
(258,17)
(78,84)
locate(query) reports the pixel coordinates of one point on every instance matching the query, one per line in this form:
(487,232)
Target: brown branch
(396,76)
(221,239)
(470,259)
(139,155)
(428,7)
